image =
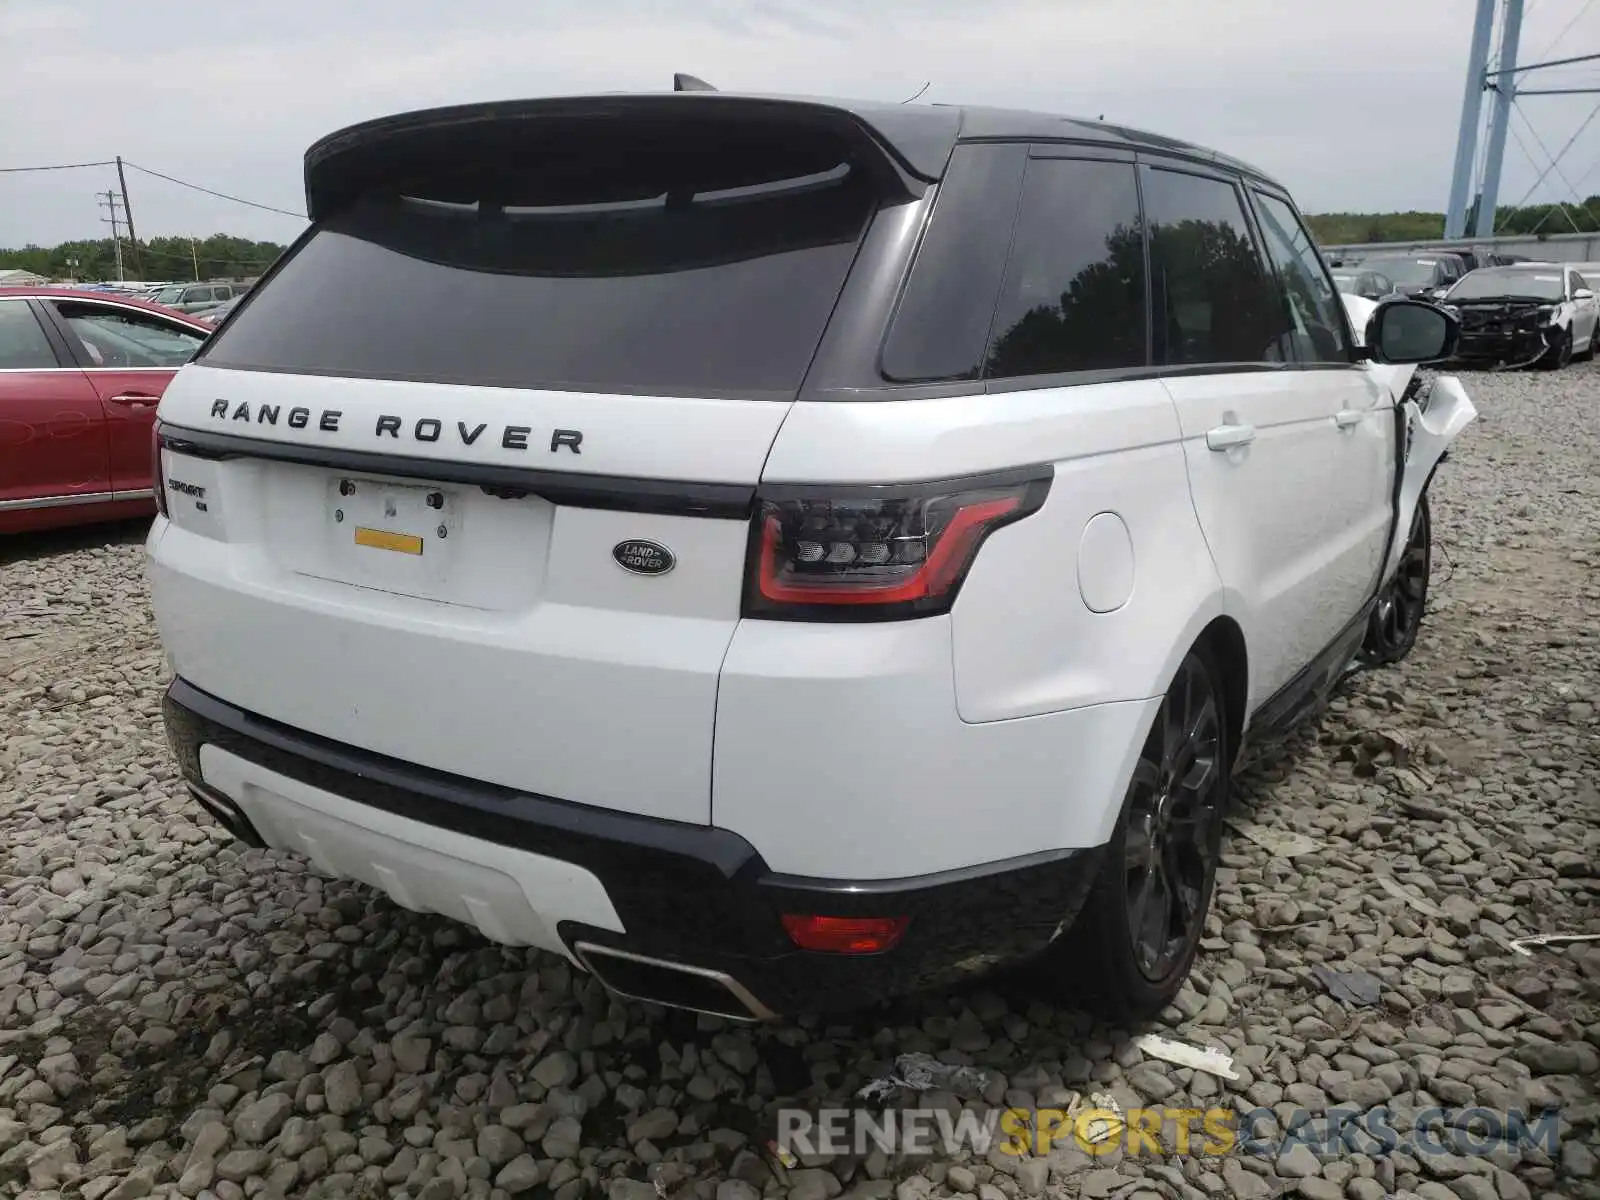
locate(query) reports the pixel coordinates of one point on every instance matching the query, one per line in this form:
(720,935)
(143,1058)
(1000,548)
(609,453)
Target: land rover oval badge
(643,558)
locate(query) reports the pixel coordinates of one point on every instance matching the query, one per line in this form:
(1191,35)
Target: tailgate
(467,480)
(462,614)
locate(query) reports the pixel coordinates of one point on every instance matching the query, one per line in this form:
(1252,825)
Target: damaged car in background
(1422,276)
(1518,316)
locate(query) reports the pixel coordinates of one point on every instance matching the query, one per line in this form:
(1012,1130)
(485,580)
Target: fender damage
(1449,410)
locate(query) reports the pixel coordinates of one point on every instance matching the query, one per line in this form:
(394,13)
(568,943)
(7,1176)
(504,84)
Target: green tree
(217,256)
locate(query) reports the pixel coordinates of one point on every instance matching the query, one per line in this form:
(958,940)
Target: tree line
(222,257)
(216,257)
(1342,229)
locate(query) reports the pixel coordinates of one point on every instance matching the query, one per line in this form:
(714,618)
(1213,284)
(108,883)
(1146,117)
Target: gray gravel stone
(1298,1162)
(341,1087)
(556,1070)
(238,1165)
(519,1175)
(656,1124)
(498,1145)
(260,1121)
(813,1184)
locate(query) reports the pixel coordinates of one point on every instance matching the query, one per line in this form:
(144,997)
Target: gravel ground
(178,1017)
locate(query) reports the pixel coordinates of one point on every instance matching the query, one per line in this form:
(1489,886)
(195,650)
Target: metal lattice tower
(1502,81)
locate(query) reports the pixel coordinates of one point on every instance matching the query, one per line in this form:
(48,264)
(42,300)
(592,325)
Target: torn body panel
(1449,411)
(1509,334)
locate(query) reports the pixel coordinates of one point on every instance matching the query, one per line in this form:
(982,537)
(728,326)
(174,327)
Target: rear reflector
(845,935)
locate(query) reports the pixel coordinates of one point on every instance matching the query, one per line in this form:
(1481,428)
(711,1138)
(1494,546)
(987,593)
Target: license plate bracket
(392,535)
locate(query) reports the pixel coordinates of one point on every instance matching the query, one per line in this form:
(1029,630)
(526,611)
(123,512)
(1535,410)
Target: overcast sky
(1353,104)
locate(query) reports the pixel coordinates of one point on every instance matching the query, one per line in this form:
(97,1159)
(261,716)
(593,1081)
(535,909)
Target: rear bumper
(532,870)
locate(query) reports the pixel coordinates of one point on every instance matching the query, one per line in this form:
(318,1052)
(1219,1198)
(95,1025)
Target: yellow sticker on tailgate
(382,539)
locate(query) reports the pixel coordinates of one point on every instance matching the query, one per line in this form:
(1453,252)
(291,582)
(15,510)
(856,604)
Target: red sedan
(80,376)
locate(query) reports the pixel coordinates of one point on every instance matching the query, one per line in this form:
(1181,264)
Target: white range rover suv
(778,553)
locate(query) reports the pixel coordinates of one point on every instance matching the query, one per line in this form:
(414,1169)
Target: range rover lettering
(1013,471)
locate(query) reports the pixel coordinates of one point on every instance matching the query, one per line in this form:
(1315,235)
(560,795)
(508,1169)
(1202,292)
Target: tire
(1397,617)
(1558,355)
(1099,964)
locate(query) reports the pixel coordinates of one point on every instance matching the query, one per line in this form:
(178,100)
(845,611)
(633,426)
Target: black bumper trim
(698,895)
(497,814)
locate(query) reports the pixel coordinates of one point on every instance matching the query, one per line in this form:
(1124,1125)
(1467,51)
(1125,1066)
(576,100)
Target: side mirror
(1410,331)
(1582,294)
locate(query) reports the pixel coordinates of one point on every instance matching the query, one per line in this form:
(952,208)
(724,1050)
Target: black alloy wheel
(1397,617)
(1169,850)
(1130,949)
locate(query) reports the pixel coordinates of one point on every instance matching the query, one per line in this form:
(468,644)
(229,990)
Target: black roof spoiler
(913,142)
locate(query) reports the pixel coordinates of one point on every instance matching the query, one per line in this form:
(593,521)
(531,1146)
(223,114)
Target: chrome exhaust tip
(226,813)
(673,984)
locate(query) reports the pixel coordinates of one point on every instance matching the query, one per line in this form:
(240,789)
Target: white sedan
(1543,313)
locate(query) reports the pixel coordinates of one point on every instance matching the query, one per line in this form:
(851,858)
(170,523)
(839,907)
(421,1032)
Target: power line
(208,191)
(1560,174)
(1549,208)
(1593,112)
(110,162)
(1567,28)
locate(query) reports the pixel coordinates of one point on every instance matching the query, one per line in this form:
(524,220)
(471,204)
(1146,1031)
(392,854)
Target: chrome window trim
(85,370)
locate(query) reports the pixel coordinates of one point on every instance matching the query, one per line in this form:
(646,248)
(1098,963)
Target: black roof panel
(996,123)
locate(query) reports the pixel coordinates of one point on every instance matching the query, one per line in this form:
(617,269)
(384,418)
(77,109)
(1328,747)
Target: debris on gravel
(182,1016)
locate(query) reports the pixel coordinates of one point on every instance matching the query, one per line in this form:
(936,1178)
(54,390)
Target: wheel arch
(1222,638)
(1224,643)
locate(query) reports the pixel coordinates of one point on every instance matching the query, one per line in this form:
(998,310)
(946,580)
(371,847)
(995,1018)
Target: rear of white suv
(558,539)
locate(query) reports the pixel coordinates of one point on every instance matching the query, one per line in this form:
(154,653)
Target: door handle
(136,400)
(1348,418)
(1226,437)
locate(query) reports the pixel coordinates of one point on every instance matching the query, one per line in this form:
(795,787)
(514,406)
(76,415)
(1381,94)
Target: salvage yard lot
(179,1014)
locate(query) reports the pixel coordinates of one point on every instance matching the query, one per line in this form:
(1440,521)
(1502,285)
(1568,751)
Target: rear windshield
(1406,270)
(715,285)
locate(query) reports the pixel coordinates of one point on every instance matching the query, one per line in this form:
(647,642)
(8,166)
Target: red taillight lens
(876,553)
(157,475)
(845,935)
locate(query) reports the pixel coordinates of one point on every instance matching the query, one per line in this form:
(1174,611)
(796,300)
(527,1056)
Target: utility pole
(111,200)
(127,212)
(1505,85)
(1455,221)
(195,255)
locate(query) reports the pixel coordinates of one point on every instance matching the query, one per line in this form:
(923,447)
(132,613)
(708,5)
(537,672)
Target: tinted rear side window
(1073,298)
(941,327)
(712,285)
(1211,291)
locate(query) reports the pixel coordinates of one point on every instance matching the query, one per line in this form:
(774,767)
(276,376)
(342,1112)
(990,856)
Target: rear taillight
(157,475)
(876,553)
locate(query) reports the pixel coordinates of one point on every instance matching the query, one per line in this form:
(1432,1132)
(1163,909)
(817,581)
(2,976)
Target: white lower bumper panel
(509,895)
